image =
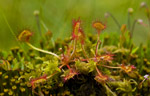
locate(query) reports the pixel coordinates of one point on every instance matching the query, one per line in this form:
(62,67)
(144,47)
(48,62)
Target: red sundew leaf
(98,26)
(25,36)
(76,28)
(127,69)
(108,57)
(70,74)
(77,31)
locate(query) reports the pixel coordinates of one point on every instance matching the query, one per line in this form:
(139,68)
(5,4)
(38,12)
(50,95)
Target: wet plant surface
(80,65)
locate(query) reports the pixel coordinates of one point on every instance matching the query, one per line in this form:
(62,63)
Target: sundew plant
(83,64)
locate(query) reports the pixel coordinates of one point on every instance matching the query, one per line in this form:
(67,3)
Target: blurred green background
(58,14)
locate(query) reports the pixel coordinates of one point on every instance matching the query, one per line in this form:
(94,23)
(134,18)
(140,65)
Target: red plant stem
(97,45)
(98,35)
(99,73)
(68,66)
(98,42)
(51,75)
